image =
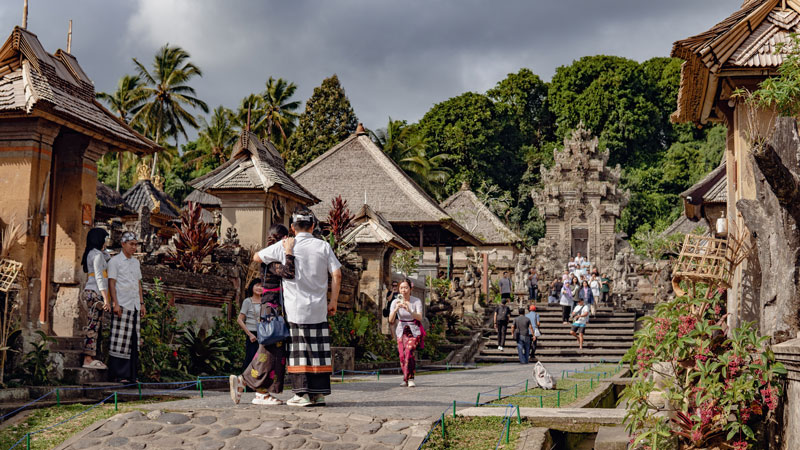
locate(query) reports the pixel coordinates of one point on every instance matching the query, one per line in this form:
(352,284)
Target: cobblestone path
(366,414)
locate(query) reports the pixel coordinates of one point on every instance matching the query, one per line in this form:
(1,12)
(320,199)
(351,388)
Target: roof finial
(25,15)
(465,185)
(360,129)
(69,37)
(248,117)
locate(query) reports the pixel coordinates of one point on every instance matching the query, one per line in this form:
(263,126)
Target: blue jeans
(524,348)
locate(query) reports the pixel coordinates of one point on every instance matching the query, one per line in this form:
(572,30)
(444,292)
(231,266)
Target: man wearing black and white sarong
(127,302)
(307,309)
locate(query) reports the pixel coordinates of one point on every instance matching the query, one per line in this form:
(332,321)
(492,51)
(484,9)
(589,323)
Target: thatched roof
(711,189)
(467,209)
(372,228)
(111,202)
(685,225)
(144,193)
(362,173)
(203,198)
(254,165)
(36,83)
(742,45)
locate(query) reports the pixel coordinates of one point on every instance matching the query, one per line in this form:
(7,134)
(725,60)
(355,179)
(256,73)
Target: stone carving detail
(580,196)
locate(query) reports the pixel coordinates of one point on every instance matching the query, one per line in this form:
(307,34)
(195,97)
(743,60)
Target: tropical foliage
(362,331)
(37,363)
(406,261)
(158,357)
(339,221)
(716,386)
(194,240)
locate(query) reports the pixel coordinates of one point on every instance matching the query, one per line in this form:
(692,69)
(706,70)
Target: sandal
(236,384)
(95,364)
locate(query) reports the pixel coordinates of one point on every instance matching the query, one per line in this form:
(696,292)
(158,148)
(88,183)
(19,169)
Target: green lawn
(44,417)
(474,433)
(566,394)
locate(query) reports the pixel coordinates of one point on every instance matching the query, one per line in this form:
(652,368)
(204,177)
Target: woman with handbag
(407,311)
(265,373)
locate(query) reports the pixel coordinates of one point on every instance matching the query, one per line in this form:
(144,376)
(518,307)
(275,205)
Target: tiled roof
(372,228)
(111,199)
(467,209)
(143,193)
(684,225)
(711,189)
(202,198)
(253,165)
(34,82)
(362,173)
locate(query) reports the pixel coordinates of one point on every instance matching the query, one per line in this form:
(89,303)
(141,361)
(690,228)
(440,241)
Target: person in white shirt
(579,317)
(307,309)
(407,312)
(595,285)
(95,294)
(125,287)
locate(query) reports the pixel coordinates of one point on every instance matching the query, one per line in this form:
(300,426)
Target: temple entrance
(580,241)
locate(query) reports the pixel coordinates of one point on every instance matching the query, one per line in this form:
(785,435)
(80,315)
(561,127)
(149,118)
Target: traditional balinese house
(761,171)
(375,242)
(362,173)
(496,238)
(161,209)
(211,205)
(52,132)
(110,205)
(254,190)
(706,200)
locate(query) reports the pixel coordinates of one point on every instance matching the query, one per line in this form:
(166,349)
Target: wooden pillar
(420,237)
(438,239)
(485,277)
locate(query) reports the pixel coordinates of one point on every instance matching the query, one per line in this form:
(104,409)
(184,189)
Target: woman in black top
(266,371)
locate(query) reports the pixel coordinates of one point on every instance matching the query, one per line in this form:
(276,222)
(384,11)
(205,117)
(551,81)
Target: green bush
(206,352)
(232,337)
(434,338)
(158,358)
(36,364)
(362,331)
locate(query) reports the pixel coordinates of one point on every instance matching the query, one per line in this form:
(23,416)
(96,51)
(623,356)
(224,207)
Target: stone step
(79,375)
(491,348)
(549,359)
(565,330)
(66,343)
(72,358)
(512,350)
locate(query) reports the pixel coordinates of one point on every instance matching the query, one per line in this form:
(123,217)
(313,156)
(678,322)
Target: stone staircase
(608,336)
(71,349)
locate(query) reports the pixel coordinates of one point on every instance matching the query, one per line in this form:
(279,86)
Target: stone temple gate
(580,203)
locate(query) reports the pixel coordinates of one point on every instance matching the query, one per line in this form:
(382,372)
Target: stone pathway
(367,414)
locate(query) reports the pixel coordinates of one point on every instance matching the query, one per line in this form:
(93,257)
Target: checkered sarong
(122,333)
(310,349)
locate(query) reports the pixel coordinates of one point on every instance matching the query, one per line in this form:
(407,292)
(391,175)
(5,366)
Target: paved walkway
(367,414)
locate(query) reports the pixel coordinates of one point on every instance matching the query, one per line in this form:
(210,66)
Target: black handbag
(272,327)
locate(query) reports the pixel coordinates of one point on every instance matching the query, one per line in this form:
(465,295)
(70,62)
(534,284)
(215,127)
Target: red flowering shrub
(717,384)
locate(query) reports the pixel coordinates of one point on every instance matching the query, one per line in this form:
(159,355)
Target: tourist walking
(407,311)
(501,315)
(307,309)
(522,330)
(505,286)
(266,371)
(125,288)
(533,286)
(585,293)
(595,284)
(605,288)
(555,291)
(248,320)
(96,298)
(579,318)
(566,302)
(533,316)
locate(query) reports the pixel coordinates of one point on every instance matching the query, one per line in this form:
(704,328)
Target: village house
(497,240)
(761,172)
(362,174)
(254,190)
(52,132)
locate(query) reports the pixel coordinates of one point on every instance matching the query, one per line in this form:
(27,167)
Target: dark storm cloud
(393,58)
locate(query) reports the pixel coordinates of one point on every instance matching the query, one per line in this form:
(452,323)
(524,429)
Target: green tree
(481,143)
(327,120)
(522,98)
(411,152)
(219,135)
(168,92)
(279,116)
(127,99)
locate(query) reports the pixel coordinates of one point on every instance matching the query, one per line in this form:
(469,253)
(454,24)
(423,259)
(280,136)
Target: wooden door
(580,242)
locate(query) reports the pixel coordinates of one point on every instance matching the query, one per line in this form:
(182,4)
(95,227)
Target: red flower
(352,332)
(740,445)
(174,354)
(688,323)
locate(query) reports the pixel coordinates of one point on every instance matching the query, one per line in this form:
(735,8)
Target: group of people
(524,329)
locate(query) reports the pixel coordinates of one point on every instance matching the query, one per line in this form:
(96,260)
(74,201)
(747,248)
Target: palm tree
(279,114)
(411,152)
(219,135)
(251,105)
(127,99)
(167,93)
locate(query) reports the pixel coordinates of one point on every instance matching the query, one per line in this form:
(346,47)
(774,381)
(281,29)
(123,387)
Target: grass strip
(474,433)
(552,399)
(44,417)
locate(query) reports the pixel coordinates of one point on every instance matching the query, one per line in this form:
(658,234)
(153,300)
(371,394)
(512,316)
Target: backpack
(542,377)
(502,312)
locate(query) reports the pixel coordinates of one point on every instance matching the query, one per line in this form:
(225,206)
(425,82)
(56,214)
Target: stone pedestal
(788,353)
(69,315)
(344,358)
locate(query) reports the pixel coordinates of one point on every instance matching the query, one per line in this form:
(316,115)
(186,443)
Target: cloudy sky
(394,58)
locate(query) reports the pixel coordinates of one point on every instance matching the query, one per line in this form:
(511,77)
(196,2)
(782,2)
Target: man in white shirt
(127,302)
(307,309)
(580,316)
